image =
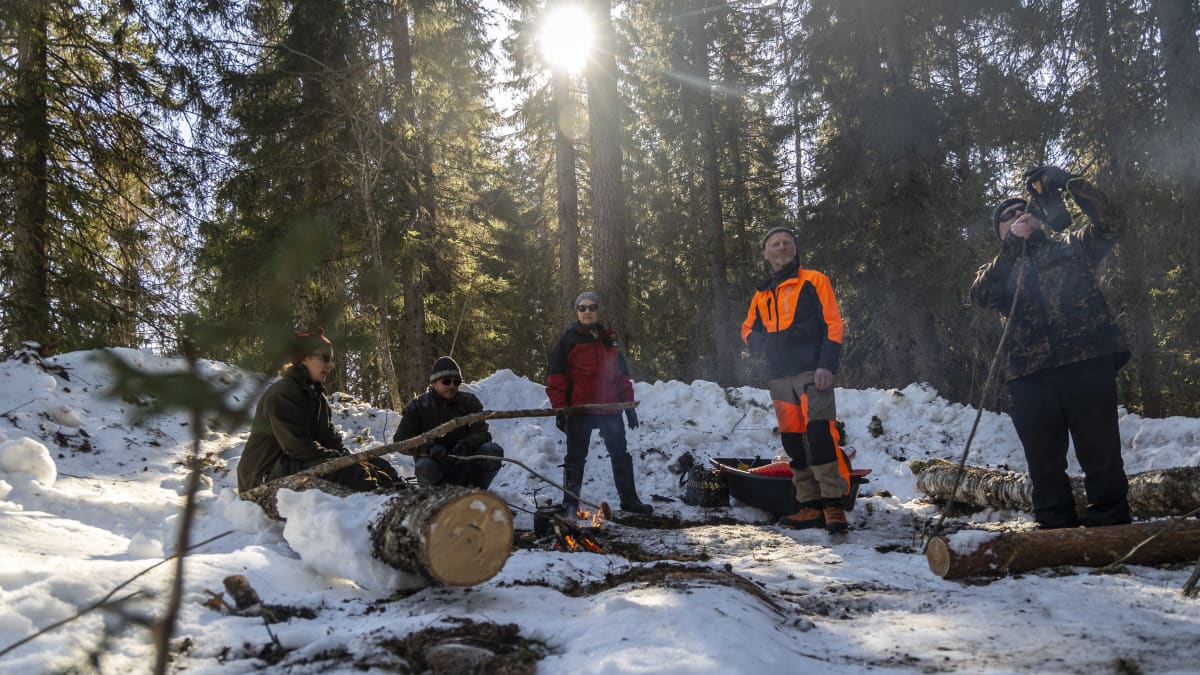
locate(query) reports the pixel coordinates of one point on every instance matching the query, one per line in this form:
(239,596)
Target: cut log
(1152,494)
(455,535)
(981,554)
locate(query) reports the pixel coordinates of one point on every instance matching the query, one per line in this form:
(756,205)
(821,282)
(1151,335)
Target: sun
(566,38)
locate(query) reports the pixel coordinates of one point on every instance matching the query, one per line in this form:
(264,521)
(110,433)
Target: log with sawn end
(976,554)
(1152,494)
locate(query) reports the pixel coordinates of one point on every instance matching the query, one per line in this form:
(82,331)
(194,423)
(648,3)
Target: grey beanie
(776,230)
(587,295)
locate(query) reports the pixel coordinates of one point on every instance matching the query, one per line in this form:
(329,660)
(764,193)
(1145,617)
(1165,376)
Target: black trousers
(1079,400)
(453,471)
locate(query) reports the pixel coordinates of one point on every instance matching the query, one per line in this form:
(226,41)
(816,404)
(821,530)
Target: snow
(91,496)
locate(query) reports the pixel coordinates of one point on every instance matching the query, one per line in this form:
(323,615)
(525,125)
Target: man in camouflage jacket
(1064,349)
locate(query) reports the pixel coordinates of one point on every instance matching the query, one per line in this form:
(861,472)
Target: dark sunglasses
(587,308)
(1012,213)
(327,358)
(451,381)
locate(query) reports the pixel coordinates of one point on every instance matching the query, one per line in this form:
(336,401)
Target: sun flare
(566,38)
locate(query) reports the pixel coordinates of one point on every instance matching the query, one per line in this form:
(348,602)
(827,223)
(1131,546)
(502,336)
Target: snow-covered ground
(89,498)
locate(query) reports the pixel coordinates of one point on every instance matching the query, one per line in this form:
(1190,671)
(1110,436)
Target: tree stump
(454,535)
(981,554)
(1152,494)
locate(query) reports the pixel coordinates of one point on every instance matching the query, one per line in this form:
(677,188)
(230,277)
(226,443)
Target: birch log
(977,554)
(1152,494)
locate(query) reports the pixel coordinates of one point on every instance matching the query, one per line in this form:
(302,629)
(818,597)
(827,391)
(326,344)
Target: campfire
(577,532)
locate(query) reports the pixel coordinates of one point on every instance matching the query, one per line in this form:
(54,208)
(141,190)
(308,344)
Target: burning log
(1152,494)
(982,554)
(454,535)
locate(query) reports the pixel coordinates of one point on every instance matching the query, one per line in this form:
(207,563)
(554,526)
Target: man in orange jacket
(794,319)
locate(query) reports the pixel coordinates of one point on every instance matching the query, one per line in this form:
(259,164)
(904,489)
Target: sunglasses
(1012,213)
(450,381)
(327,358)
(587,308)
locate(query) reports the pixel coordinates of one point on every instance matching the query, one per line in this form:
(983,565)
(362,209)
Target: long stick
(406,447)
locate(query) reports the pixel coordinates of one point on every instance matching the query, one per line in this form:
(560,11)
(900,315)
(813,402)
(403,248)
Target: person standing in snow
(437,462)
(794,320)
(293,426)
(1064,349)
(587,367)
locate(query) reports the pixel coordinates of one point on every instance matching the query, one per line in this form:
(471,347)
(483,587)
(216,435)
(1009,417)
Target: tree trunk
(453,535)
(714,229)
(414,372)
(1181,63)
(564,121)
(994,555)
(29,302)
(1152,494)
(1137,253)
(610,258)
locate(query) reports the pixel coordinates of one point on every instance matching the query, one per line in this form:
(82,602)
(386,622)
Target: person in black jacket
(293,428)
(437,462)
(1064,349)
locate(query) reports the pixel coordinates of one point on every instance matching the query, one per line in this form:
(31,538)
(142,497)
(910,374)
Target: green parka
(292,431)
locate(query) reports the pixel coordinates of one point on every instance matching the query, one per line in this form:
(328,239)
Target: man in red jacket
(587,367)
(794,318)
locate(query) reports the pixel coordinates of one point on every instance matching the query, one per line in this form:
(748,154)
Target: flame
(591,545)
(570,542)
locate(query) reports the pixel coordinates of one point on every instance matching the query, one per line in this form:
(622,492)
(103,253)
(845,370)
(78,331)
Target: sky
(90,497)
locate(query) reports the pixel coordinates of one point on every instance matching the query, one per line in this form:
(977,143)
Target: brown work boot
(835,517)
(809,516)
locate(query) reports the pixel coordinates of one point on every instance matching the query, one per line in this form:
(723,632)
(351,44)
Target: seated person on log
(293,426)
(437,462)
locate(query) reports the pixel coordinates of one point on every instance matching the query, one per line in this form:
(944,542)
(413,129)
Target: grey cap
(587,295)
(776,230)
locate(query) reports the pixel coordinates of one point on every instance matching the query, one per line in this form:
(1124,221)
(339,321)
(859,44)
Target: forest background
(419,177)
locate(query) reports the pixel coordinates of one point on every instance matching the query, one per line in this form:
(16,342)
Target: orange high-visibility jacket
(796,321)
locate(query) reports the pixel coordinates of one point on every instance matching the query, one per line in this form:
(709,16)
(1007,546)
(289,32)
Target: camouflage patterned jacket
(1061,316)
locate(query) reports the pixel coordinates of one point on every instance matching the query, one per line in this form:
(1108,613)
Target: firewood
(1152,494)
(993,555)
(455,535)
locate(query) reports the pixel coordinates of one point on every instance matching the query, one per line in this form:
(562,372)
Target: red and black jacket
(795,319)
(587,369)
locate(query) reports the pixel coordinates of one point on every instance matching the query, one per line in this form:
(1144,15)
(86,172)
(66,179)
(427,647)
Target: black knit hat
(304,344)
(445,367)
(776,230)
(1000,209)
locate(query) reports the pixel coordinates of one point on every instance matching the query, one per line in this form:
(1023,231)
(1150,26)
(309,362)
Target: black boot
(623,478)
(573,482)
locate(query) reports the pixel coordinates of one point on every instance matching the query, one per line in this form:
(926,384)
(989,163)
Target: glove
(461,449)
(631,417)
(1043,180)
(437,452)
(560,421)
